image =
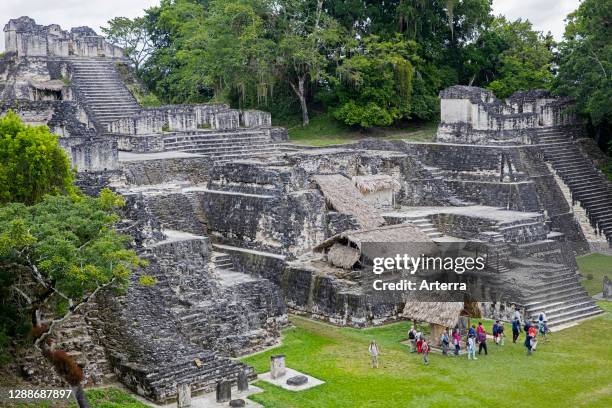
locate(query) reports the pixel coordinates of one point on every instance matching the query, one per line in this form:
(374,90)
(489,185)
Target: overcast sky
(546,15)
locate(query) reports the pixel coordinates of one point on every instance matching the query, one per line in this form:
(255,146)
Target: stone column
(277,366)
(224,391)
(183,392)
(607,288)
(243,381)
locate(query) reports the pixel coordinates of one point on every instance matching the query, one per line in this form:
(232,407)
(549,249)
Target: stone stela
(277,366)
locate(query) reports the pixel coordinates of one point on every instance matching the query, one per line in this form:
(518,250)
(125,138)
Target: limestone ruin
(240,227)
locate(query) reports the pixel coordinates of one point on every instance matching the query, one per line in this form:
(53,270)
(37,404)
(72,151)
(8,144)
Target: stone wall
(183,118)
(474,115)
(194,170)
(26,38)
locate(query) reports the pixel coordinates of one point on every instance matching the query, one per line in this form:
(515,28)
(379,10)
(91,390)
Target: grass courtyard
(574,369)
(593,268)
(324,130)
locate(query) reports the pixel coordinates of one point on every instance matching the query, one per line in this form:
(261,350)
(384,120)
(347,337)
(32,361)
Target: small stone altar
(288,378)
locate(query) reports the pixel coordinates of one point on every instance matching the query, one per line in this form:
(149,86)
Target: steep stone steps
(224,146)
(561,297)
(101,90)
(586,184)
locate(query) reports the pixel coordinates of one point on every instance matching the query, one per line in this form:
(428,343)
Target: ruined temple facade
(241,227)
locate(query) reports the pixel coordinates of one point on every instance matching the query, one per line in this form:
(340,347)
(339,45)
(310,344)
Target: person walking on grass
(482,340)
(517,315)
(444,342)
(456,341)
(500,333)
(374,352)
(495,327)
(425,351)
(533,341)
(528,333)
(419,341)
(542,326)
(472,332)
(412,337)
(516,329)
(471,348)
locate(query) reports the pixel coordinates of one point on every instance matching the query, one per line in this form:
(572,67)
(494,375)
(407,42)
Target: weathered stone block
(224,391)
(183,395)
(297,380)
(243,381)
(277,366)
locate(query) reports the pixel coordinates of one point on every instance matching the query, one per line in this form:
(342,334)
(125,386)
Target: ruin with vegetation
(237,227)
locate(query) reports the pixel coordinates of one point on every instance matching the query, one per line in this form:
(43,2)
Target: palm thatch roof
(341,194)
(374,183)
(442,313)
(342,256)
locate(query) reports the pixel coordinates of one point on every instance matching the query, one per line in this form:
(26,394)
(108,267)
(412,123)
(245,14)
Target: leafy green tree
(585,66)
(32,163)
(378,83)
(54,257)
(132,36)
(526,61)
(165,72)
(307,38)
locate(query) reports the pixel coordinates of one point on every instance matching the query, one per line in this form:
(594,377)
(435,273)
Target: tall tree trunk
(300,92)
(80,397)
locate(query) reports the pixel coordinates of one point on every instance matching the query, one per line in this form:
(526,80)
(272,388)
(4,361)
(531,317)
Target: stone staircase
(101,90)
(498,251)
(224,146)
(562,297)
(425,226)
(221,261)
(587,185)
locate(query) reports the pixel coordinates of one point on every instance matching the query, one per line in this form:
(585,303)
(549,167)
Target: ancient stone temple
(241,227)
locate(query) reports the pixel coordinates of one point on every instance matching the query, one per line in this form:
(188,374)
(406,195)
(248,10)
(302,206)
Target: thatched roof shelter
(441,313)
(341,194)
(343,256)
(374,183)
(392,239)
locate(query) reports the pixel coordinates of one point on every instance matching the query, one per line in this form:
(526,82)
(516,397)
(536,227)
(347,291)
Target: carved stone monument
(224,391)
(184,396)
(277,366)
(243,381)
(607,288)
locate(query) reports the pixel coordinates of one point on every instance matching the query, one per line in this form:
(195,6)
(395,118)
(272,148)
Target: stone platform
(289,372)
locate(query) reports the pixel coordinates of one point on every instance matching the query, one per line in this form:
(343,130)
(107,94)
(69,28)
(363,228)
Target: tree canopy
(32,163)
(290,56)
(585,64)
(57,247)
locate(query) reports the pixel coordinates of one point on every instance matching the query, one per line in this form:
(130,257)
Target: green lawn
(324,130)
(598,266)
(574,369)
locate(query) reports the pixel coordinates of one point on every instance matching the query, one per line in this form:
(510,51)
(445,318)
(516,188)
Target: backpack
(411,335)
(527,326)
